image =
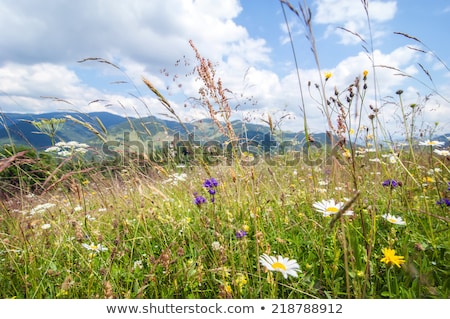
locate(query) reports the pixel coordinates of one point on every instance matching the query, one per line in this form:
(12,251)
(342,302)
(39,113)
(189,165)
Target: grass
(136,229)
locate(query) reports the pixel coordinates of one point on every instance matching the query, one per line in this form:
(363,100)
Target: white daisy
(330,207)
(431,143)
(93,247)
(442,152)
(394,219)
(282,264)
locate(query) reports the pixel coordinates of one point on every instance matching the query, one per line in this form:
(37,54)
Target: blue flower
(241,233)
(444,201)
(198,200)
(210,183)
(392,183)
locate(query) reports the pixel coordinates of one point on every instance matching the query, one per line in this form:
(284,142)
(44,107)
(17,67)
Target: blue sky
(41,42)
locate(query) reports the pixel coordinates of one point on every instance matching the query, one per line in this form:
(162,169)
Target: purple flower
(241,233)
(198,200)
(444,201)
(392,183)
(210,183)
(448,184)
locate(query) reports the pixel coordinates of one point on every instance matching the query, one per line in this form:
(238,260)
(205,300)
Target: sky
(43,42)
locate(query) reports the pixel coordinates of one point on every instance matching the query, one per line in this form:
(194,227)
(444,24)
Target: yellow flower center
(392,220)
(278,265)
(93,247)
(332,209)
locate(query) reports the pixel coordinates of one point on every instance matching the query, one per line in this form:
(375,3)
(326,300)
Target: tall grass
(139,228)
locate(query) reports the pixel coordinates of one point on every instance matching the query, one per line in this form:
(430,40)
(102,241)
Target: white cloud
(351,15)
(44,40)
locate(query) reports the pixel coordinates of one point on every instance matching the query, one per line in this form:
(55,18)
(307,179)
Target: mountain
(18,129)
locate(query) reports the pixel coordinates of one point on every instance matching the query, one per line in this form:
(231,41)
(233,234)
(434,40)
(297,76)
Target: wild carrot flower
(281,264)
(397,220)
(431,143)
(46,226)
(41,208)
(330,207)
(390,258)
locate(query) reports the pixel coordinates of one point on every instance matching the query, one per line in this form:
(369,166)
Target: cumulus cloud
(42,42)
(352,16)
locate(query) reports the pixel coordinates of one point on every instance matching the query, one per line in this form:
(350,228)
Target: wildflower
(346,153)
(448,186)
(241,233)
(246,228)
(227,289)
(390,258)
(77,208)
(198,200)
(431,143)
(394,219)
(41,208)
(46,226)
(240,281)
(442,152)
(210,183)
(66,149)
(284,265)
(443,201)
(428,179)
(175,178)
(215,245)
(330,207)
(52,149)
(89,217)
(365,72)
(95,248)
(137,264)
(392,183)
(328,75)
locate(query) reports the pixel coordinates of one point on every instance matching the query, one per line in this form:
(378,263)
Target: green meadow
(359,215)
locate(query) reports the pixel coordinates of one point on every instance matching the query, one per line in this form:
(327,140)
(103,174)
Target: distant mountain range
(17,128)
